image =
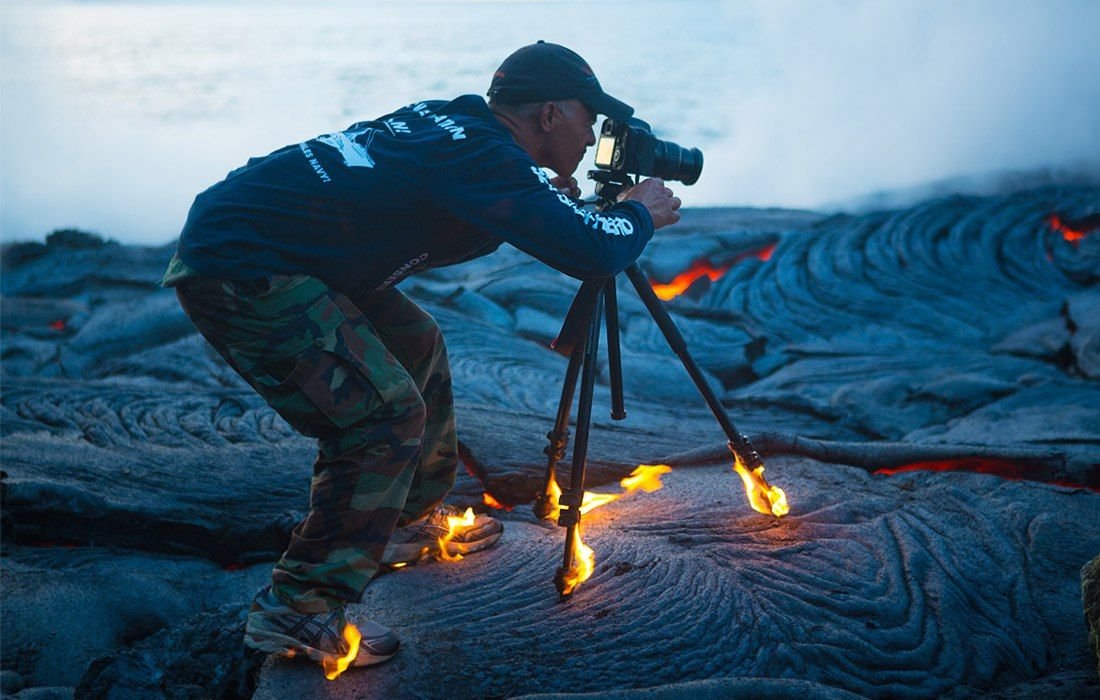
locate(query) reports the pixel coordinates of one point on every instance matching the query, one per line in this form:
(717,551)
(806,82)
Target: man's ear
(548,117)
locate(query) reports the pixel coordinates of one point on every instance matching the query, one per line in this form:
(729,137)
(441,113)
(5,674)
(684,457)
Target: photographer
(288,268)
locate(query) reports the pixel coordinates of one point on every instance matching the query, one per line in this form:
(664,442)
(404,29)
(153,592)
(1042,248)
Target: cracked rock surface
(146,491)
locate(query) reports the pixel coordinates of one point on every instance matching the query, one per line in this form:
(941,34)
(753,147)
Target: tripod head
(609,185)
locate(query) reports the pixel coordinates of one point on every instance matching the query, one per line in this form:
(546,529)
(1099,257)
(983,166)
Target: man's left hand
(566,185)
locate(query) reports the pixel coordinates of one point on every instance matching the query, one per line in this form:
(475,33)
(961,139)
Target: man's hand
(566,185)
(658,199)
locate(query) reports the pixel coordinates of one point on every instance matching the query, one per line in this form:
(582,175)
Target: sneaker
(417,540)
(279,629)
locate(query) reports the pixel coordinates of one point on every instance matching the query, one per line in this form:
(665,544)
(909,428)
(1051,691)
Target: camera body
(629,147)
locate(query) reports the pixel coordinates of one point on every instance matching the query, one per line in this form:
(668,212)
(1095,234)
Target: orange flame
(455,525)
(763,497)
(584,563)
(335,666)
(646,477)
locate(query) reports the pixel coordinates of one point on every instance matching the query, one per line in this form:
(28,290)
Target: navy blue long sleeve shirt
(432,184)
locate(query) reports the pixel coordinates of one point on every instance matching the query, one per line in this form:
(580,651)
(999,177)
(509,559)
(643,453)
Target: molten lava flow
(682,281)
(584,563)
(765,254)
(487,499)
(702,267)
(763,497)
(455,525)
(1072,236)
(1004,468)
(335,666)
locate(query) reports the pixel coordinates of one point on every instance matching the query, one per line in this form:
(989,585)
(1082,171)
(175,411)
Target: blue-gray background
(115,114)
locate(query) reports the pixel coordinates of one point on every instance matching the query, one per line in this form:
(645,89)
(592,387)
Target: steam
(116,115)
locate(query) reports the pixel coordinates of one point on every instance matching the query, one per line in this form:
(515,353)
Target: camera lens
(673,162)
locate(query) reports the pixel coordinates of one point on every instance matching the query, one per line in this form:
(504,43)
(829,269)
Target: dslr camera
(629,147)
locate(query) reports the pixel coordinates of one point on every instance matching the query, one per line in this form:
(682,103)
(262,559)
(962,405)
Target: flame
(646,477)
(487,499)
(584,563)
(335,666)
(765,253)
(455,525)
(58,325)
(763,497)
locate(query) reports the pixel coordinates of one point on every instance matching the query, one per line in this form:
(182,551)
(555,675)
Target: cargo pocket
(321,374)
(335,382)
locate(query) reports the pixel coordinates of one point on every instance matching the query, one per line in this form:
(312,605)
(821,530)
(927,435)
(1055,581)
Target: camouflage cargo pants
(368,377)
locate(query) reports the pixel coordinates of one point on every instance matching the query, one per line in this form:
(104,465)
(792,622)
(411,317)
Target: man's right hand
(658,199)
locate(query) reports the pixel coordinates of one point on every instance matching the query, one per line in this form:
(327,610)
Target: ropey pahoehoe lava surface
(864,352)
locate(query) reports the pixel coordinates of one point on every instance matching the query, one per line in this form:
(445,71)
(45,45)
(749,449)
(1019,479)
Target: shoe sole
(289,647)
(411,554)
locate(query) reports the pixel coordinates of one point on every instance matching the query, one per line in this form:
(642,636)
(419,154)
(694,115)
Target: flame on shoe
(455,525)
(584,563)
(763,497)
(334,666)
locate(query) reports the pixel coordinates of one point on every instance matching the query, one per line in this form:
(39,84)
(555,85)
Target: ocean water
(115,114)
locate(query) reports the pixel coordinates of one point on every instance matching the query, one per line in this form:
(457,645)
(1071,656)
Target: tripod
(579,339)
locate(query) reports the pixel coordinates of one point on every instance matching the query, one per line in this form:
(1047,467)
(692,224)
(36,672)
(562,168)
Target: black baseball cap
(542,72)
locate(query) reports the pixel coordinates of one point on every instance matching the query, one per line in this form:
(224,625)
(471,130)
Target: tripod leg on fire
(568,576)
(547,501)
(738,444)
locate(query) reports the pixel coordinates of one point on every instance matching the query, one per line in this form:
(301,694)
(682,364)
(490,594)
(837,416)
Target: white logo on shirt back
(354,153)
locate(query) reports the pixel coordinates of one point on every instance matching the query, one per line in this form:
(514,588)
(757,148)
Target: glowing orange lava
(335,666)
(1004,468)
(487,499)
(703,268)
(1073,236)
(680,283)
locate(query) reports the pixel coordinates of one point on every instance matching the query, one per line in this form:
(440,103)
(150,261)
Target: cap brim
(602,103)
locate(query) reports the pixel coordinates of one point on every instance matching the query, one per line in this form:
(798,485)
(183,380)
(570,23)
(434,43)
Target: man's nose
(591,138)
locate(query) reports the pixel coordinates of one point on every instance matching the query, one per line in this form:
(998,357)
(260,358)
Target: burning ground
(922,383)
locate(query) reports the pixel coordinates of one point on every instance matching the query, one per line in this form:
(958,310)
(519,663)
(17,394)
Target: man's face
(569,137)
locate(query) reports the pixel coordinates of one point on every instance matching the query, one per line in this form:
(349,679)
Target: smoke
(865,96)
(116,114)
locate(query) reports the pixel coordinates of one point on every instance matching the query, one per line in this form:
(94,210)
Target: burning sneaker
(326,637)
(445,532)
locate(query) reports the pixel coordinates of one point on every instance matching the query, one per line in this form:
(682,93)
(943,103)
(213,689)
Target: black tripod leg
(614,358)
(559,437)
(571,498)
(737,442)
